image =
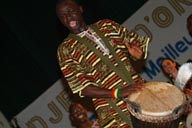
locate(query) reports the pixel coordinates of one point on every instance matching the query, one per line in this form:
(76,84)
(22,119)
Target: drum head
(158,98)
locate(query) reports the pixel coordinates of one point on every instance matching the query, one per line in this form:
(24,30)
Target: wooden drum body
(157,105)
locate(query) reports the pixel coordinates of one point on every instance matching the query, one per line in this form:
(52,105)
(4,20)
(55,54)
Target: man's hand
(188,92)
(134,49)
(131,89)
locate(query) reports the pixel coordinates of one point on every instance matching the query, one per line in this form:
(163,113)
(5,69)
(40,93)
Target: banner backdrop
(165,22)
(50,110)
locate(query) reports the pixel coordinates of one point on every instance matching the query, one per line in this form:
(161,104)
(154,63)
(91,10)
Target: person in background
(175,72)
(184,78)
(189,24)
(189,61)
(95,60)
(170,69)
(79,117)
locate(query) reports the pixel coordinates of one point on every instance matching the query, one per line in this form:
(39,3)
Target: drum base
(144,124)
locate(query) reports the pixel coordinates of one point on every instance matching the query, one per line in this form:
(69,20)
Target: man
(95,60)
(189,24)
(79,117)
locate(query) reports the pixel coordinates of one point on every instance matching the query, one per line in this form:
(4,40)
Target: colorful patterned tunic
(82,67)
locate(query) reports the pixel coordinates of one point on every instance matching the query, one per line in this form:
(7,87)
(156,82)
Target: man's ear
(81,9)
(72,121)
(71,118)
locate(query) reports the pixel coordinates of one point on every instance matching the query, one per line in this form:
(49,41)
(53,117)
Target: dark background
(30,34)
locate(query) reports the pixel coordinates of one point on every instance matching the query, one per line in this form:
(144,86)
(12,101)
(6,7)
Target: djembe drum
(157,105)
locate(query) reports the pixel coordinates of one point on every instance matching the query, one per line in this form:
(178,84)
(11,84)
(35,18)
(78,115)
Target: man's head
(70,15)
(78,114)
(189,24)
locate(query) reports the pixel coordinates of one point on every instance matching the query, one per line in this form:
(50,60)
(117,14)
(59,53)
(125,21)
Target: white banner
(165,22)
(50,110)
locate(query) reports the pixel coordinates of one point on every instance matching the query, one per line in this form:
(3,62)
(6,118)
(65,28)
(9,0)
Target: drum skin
(157,105)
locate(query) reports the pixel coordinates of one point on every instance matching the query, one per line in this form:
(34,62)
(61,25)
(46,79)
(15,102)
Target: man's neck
(87,124)
(80,29)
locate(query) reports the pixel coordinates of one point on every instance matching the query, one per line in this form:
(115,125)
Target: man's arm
(97,92)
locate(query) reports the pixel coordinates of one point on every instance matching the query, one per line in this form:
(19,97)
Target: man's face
(79,114)
(70,15)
